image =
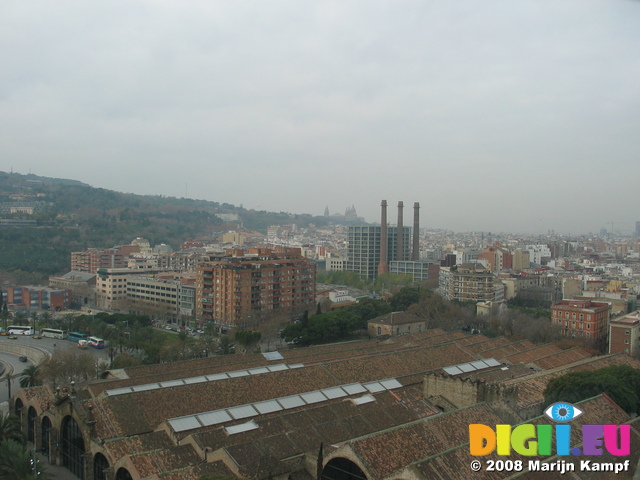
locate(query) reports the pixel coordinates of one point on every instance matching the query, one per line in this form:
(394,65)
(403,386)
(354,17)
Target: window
(626,342)
(626,332)
(379,330)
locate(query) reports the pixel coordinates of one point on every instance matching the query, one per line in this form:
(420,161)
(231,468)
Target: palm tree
(18,463)
(10,428)
(30,377)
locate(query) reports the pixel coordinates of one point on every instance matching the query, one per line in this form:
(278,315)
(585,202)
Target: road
(48,344)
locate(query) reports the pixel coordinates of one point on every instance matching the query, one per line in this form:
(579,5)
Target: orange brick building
(582,319)
(242,286)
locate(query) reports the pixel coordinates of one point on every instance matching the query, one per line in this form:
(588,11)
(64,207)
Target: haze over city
(508,116)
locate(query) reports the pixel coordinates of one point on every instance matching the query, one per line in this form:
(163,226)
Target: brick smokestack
(400,246)
(415,250)
(383,266)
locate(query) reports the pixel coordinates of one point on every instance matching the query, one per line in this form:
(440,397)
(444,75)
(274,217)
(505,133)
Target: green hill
(71,216)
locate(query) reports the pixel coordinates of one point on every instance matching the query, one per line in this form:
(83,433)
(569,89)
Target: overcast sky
(512,116)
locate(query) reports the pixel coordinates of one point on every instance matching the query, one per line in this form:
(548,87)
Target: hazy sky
(500,115)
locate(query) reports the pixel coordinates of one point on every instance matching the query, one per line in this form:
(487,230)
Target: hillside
(70,216)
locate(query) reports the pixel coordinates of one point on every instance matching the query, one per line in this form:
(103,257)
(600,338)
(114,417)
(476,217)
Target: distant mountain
(70,216)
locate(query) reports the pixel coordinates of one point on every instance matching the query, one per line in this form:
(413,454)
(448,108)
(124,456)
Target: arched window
(342,469)
(46,436)
(31,424)
(100,465)
(123,474)
(72,447)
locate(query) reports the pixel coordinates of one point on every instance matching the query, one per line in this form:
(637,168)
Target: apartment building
(624,333)
(155,296)
(92,259)
(470,283)
(363,248)
(111,286)
(242,286)
(582,319)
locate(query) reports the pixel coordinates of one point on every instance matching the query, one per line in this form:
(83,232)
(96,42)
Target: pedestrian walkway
(56,472)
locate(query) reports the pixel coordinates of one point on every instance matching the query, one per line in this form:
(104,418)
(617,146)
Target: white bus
(96,342)
(53,333)
(19,330)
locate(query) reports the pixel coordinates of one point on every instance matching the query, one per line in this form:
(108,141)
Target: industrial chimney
(383,266)
(400,245)
(415,250)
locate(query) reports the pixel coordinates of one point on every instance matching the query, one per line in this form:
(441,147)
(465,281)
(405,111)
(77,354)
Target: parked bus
(20,330)
(53,333)
(96,342)
(75,336)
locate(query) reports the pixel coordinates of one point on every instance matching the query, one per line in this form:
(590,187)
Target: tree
(406,297)
(225,345)
(10,428)
(30,377)
(18,463)
(620,382)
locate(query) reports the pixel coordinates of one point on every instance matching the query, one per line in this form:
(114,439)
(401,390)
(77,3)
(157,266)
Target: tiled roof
(386,452)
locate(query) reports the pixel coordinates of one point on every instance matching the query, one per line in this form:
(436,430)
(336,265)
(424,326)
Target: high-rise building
(363,248)
(242,286)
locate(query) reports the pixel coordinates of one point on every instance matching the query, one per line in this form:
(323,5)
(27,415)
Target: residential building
(242,285)
(521,260)
(584,320)
(497,258)
(418,270)
(92,259)
(470,283)
(111,286)
(624,333)
(363,248)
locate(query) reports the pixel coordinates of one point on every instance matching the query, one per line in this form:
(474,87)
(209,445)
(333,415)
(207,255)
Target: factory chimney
(400,246)
(415,250)
(383,266)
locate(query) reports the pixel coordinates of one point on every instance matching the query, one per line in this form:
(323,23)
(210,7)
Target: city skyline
(513,117)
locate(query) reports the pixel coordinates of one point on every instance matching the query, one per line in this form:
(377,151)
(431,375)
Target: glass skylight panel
(478,364)
(374,387)
(452,370)
(291,402)
(243,411)
(391,384)
(354,389)
(195,380)
(184,423)
(217,376)
(466,367)
(296,365)
(119,391)
(144,388)
(258,370)
(492,362)
(238,373)
(243,427)
(313,397)
(278,367)
(364,399)
(271,356)
(267,407)
(335,392)
(171,383)
(214,418)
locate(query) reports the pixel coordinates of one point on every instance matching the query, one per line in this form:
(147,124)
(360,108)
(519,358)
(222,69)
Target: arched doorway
(18,407)
(46,436)
(72,447)
(100,465)
(342,469)
(123,474)
(31,424)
